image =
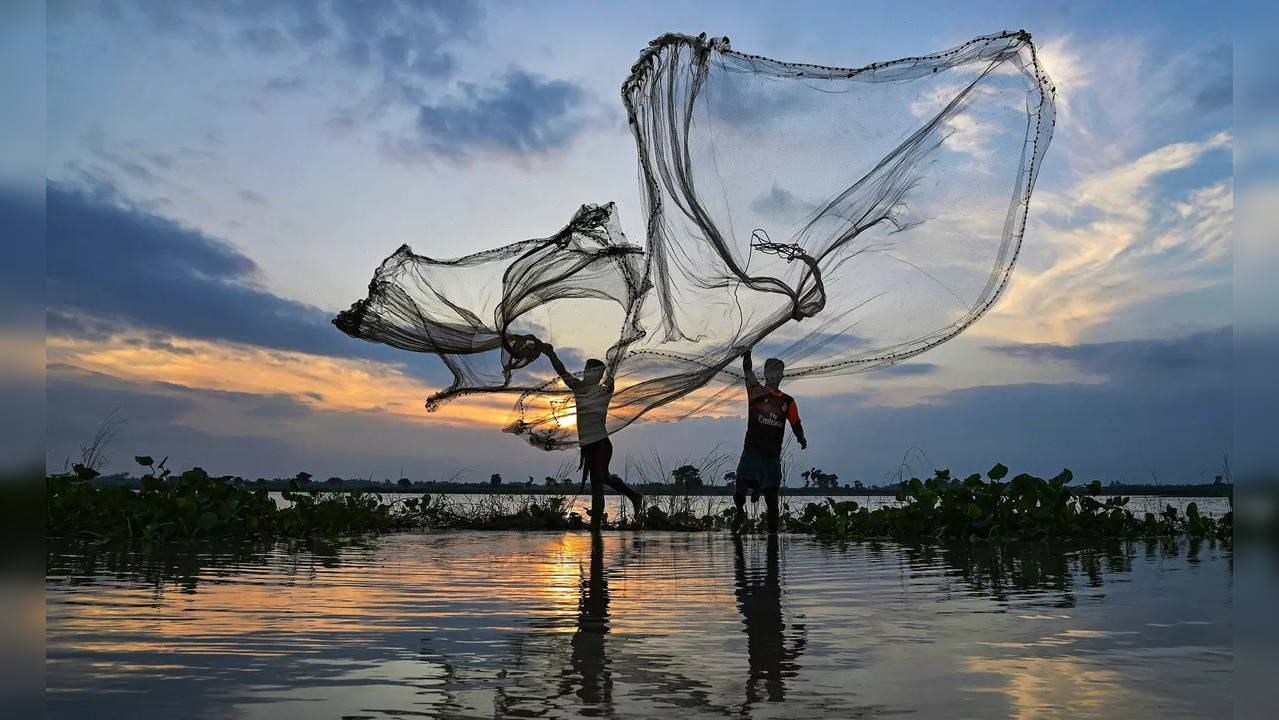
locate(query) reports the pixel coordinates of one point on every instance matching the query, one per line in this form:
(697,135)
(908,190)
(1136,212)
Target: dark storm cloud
(523,113)
(1199,357)
(111,265)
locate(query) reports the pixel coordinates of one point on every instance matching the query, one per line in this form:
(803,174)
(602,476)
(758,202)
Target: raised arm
(572,382)
(748,370)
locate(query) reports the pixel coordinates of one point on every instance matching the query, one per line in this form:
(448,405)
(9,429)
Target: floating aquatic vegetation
(195,505)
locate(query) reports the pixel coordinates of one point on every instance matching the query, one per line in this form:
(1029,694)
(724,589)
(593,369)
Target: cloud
(1113,241)
(1216,97)
(284,84)
(1196,358)
(253,198)
(396,38)
(159,343)
(735,100)
(1144,417)
(388,60)
(780,203)
(112,266)
(65,324)
(906,370)
(1217,67)
(1071,75)
(271,434)
(522,114)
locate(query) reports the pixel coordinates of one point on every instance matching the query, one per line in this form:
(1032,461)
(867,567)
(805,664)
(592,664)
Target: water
(464,625)
(616,506)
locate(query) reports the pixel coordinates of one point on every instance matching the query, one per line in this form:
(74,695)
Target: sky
(222,178)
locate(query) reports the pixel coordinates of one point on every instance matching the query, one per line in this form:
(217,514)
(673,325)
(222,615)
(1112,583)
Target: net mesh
(840,219)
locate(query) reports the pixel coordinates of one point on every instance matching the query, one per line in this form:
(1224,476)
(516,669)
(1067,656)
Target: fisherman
(760,467)
(592,394)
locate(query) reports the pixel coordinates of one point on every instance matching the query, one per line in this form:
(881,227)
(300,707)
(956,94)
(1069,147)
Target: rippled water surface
(637,625)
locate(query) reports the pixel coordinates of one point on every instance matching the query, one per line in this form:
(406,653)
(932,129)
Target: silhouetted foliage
(942,508)
(687,476)
(1024,508)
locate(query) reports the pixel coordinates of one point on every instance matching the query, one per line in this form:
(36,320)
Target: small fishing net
(840,219)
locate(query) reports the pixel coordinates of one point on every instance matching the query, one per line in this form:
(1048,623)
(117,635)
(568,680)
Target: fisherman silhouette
(759,597)
(760,467)
(592,394)
(590,659)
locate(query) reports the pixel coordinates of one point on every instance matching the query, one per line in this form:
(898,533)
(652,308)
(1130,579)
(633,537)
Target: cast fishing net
(840,219)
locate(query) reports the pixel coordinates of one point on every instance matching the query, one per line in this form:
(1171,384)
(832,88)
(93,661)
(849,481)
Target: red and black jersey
(767,414)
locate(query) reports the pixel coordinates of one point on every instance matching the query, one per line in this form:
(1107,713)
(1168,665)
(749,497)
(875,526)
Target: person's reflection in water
(760,600)
(590,658)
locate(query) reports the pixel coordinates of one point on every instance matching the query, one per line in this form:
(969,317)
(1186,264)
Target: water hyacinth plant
(1024,508)
(941,508)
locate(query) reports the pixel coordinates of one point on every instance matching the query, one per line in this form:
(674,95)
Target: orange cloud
(321,382)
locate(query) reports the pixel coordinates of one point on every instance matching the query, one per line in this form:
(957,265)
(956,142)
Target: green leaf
(84,473)
(144,460)
(998,472)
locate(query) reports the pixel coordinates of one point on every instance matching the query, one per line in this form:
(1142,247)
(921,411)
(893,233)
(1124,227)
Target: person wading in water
(768,411)
(592,394)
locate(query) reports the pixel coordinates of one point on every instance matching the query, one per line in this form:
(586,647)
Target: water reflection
(759,597)
(622,625)
(590,650)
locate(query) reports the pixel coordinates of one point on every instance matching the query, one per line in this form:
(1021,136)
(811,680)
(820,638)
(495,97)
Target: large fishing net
(840,219)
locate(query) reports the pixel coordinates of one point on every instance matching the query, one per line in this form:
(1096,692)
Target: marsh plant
(1023,508)
(194,504)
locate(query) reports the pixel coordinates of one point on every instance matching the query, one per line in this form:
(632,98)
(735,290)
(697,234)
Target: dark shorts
(595,458)
(759,470)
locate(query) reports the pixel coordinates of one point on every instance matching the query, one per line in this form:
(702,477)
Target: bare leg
(635,496)
(739,499)
(770,497)
(597,503)
(597,468)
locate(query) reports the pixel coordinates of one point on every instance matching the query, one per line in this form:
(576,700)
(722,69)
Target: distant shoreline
(281,484)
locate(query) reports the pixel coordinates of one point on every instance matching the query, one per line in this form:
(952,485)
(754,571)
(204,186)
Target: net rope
(886,206)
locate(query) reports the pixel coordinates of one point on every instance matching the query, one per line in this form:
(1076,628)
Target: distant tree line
(686,479)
